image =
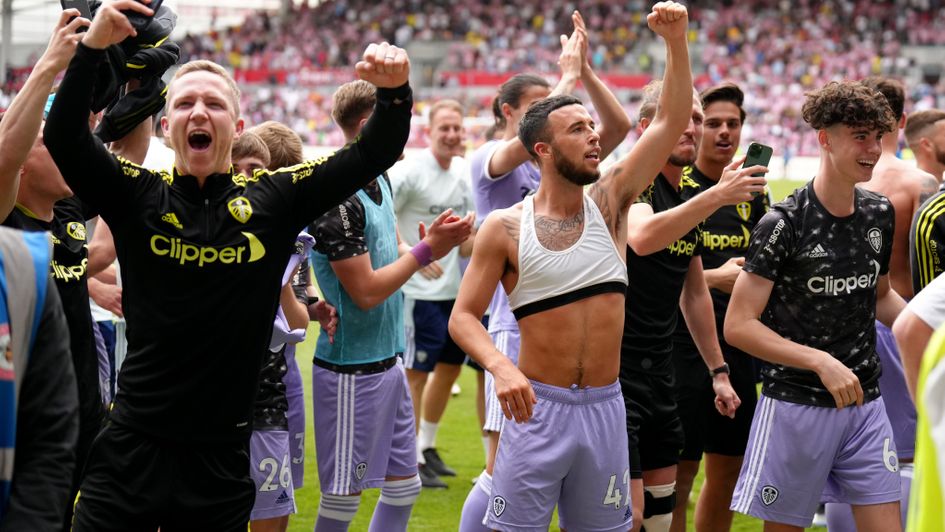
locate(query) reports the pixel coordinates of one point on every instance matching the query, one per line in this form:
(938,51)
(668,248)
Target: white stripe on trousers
(759,451)
(344,435)
(410,347)
(495,419)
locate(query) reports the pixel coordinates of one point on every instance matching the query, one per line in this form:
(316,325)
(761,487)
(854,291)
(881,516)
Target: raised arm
(614,122)
(632,173)
(327,181)
(511,153)
(649,232)
(488,264)
(21,121)
(93,173)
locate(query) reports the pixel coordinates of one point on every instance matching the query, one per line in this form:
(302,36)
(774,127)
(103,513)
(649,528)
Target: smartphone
(82,6)
(758,154)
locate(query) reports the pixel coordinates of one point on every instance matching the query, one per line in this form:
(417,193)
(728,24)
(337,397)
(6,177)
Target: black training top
(202,267)
(656,282)
(824,270)
(68,268)
(339,234)
(724,235)
(927,242)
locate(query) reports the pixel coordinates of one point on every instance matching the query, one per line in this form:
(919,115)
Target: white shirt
(422,190)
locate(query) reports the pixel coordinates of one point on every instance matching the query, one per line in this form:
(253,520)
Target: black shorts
(136,482)
(654,431)
(705,429)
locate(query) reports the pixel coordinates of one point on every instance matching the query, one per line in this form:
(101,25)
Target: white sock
(426,438)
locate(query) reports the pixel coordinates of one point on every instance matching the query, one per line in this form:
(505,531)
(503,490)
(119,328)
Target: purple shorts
(892,385)
(364,429)
(800,455)
(295,396)
(573,453)
(507,342)
(269,467)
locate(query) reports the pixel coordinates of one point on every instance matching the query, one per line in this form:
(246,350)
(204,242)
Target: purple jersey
(491,193)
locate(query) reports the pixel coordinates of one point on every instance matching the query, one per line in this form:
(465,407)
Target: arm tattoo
(558,235)
(512,225)
(599,193)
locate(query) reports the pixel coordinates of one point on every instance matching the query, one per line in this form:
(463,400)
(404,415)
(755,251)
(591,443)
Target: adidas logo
(818,252)
(171,218)
(283,498)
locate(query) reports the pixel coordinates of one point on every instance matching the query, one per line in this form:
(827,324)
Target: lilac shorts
(892,384)
(507,342)
(573,453)
(295,396)
(364,429)
(800,455)
(269,467)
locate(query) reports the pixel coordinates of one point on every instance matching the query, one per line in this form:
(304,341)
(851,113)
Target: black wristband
(720,370)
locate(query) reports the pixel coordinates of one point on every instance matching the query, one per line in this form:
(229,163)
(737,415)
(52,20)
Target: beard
(682,161)
(939,155)
(571,172)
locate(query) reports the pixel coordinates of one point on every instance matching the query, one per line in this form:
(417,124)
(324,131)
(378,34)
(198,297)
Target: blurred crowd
(777,50)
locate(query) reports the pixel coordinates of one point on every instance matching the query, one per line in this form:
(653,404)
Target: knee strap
(659,500)
(401,492)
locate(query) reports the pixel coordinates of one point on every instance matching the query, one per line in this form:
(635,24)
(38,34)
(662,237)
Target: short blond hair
(285,145)
(202,65)
(248,144)
(352,102)
(444,105)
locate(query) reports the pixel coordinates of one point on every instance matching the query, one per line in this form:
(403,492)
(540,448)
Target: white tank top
(549,279)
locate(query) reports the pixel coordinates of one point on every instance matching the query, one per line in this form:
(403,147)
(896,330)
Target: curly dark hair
(849,103)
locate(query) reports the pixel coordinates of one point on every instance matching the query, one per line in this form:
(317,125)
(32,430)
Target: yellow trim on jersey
(155,45)
(925,223)
(26,211)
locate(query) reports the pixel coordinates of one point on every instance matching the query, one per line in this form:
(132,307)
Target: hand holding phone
(82,6)
(758,155)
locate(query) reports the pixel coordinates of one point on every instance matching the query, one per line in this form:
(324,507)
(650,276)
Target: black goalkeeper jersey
(656,282)
(202,266)
(724,235)
(825,271)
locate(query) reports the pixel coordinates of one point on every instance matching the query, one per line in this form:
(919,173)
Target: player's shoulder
(873,200)
(505,221)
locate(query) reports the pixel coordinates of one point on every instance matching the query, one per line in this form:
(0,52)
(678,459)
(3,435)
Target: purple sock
(393,508)
(325,524)
(476,505)
(335,512)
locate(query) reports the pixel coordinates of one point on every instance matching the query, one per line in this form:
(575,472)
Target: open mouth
(723,145)
(199,140)
(867,164)
(593,155)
